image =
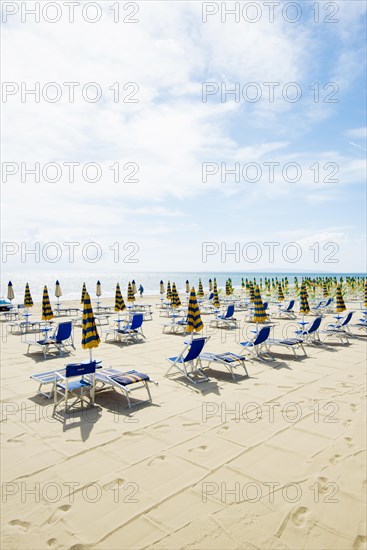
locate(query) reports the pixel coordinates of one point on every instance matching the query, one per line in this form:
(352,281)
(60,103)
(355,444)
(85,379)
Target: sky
(169,170)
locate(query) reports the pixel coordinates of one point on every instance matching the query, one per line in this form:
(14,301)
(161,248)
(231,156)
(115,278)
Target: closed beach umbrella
(216,302)
(259,310)
(47,313)
(161,288)
(228,288)
(200,289)
(10,294)
(210,285)
(169,293)
(58,292)
(130,294)
(175,299)
(90,337)
(84,292)
(28,302)
(98,289)
(252,293)
(304,307)
(340,305)
(280,293)
(119,301)
(187,285)
(133,286)
(365,295)
(325,292)
(242,283)
(194,322)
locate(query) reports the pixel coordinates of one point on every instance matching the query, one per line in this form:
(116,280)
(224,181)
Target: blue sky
(170,132)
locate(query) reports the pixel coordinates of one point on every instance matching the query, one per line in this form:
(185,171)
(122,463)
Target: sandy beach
(273,461)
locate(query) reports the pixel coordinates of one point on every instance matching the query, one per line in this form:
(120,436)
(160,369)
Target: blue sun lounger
(188,361)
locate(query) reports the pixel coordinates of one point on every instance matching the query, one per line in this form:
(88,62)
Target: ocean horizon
(71,283)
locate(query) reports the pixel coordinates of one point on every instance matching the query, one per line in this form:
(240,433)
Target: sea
(71,283)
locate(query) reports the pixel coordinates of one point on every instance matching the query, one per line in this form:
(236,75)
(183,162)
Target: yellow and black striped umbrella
(47,313)
(228,288)
(280,293)
(216,302)
(10,294)
(161,288)
(84,292)
(119,301)
(304,307)
(210,285)
(252,293)
(194,322)
(259,310)
(200,289)
(175,299)
(90,337)
(325,292)
(98,289)
(187,286)
(340,305)
(365,295)
(130,294)
(169,293)
(28,302)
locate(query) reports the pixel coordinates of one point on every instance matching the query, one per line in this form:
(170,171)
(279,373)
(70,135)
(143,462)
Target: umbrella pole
(90,355)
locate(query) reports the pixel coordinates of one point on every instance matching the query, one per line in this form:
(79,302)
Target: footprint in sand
(201,449)
(156,460)
(52,543)
(190,425)
(131,434)
(112,484)
(335,459)
(22,525)
(58,513)
(353,406)
(161,427)
(349,441)
(300,516)
(359,542)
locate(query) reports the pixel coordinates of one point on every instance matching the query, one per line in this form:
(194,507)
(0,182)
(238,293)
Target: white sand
(193,469)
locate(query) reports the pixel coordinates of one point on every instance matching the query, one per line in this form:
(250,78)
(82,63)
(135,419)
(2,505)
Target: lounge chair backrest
(315,325)
(64,331)
(266,305)
(137,321)
(262,336)
(79,369)
(329,302)
(290,305)
(195,349)
(211,296)
(347,319)
(230,311)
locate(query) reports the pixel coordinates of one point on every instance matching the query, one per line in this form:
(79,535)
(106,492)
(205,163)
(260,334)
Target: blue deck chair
(225,320)
(188,362)
(78,382)
(228,359)
(132,330)
(288,343)
(311,335)
(61,339)
(126,382)
(288,311)
(176,326)
(340,330)
(256,345)
(48,378)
